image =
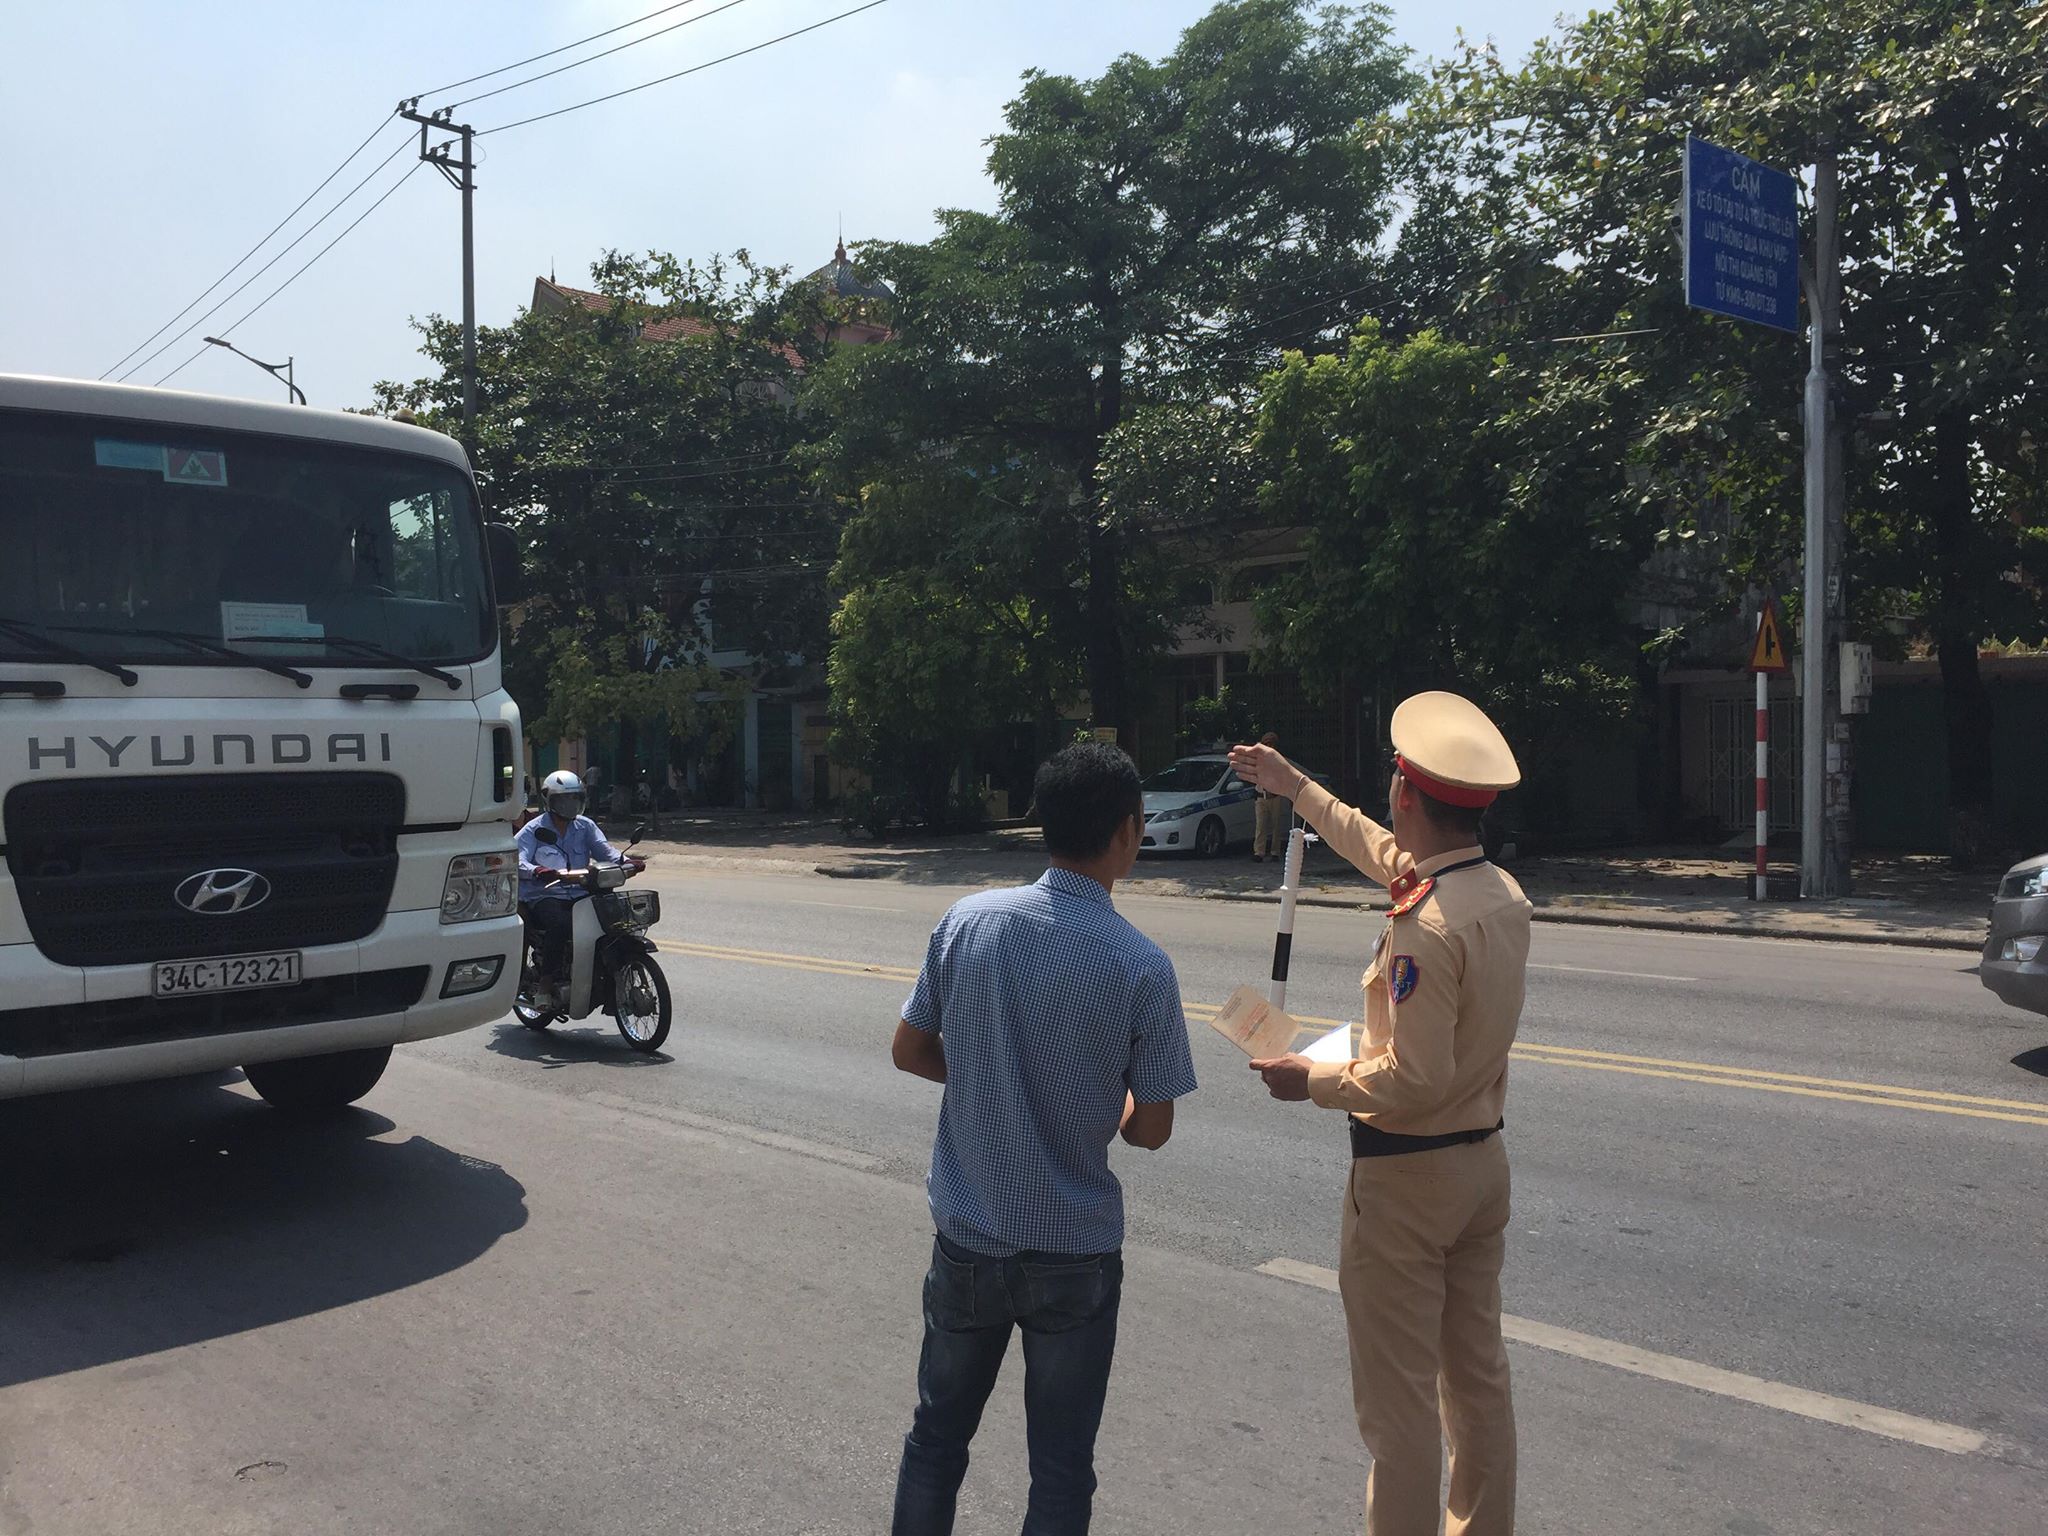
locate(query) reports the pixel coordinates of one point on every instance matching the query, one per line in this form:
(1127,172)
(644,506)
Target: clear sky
(148,145)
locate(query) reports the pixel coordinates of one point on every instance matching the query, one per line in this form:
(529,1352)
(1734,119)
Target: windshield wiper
(57,650)
(365,648)
(195,642)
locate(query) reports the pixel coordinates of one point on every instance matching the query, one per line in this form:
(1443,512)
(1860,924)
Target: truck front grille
(98,862)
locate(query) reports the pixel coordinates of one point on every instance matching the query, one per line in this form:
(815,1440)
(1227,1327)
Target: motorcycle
(611,965)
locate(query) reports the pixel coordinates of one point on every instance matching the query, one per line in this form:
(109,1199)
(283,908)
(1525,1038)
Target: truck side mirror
(507,574)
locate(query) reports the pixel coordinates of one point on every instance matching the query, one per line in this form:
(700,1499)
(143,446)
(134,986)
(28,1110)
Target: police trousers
(1424,1236)
(1272,818)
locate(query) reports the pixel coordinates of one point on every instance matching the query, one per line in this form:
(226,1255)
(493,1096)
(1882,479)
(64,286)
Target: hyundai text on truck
(258,767)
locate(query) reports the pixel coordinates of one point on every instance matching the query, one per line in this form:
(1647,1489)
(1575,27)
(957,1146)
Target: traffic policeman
(1426,1212)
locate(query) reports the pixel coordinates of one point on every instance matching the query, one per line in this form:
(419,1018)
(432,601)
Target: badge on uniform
(1402,976)
(1408,891)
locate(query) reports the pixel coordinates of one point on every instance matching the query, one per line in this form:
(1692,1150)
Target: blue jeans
(1066,1306)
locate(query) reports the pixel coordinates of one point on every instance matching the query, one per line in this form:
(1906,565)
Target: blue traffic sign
(1741,223)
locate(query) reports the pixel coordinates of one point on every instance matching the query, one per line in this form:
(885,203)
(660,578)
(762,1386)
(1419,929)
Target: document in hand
(1335,1046)
(1252,1024)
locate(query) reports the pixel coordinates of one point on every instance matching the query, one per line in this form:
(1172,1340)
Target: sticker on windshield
(112,453)
(246,621)
(195,466)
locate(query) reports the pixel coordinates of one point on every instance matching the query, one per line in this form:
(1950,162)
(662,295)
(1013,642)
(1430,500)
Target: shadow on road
(2034,1061)
(569,1047)
(141,1219)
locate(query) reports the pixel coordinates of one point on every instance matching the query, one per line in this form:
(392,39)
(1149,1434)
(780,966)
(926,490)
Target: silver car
(2015,964)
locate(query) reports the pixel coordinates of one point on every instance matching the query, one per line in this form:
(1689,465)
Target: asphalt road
(1777,1263)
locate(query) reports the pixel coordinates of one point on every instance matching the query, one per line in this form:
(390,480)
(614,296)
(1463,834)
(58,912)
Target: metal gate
(1731,763)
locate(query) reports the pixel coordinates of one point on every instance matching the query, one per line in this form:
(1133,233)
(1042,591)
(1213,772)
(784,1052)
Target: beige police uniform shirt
(1443,996)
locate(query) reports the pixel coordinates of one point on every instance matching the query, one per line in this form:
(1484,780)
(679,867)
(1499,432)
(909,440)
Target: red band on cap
(1450,794)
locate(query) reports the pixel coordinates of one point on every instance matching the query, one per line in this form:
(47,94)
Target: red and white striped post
(1765,657)
(1763,782)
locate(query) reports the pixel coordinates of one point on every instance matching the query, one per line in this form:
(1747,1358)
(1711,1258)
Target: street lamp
(281,370)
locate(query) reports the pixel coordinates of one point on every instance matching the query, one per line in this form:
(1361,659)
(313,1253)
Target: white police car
(1198,805)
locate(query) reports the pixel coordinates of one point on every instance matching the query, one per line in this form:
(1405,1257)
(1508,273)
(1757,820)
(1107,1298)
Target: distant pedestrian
(1055,1026)
(1275,815)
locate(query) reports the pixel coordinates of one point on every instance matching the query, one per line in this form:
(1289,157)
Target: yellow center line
(817,964)
(1718,1081)
(1678,1070)
(1792,1077)
(1719,1075)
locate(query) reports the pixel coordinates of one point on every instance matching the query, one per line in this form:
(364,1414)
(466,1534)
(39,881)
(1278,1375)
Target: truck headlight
(2025,949)
(480,885)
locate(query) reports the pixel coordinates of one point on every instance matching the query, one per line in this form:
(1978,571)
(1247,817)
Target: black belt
(1371,1141)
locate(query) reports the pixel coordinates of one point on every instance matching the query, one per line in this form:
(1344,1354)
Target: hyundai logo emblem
(222,892)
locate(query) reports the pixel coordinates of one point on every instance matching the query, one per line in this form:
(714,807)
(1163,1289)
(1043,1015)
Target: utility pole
(461,175)
(1824,745)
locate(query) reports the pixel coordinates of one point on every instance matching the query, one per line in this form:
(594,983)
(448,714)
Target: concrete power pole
(1825,766)
(461,175)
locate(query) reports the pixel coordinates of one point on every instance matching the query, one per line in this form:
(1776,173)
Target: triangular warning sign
(195,466)
(1768,654)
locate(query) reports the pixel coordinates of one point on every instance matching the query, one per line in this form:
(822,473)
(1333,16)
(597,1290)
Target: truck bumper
(69,1028)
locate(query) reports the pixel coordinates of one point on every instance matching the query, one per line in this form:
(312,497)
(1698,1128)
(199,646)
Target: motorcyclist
(553,868)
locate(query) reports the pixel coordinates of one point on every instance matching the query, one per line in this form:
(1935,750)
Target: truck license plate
(230,973)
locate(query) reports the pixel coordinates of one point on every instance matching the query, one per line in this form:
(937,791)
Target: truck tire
(318,1082)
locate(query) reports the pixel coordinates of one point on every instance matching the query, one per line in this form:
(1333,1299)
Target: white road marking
(818,1149)
(1931,1433)
(849,906)
(1594,970)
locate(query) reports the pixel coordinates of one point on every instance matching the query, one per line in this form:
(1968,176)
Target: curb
(1656,922)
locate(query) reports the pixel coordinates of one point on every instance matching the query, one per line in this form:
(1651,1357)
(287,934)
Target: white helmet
(562,794)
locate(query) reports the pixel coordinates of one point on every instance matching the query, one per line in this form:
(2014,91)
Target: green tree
(643,455)
(1159,230)
(1553,186)
(1465,528)
(933,643)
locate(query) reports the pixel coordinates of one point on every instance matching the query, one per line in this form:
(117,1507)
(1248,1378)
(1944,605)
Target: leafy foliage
(1156,227)
(1467,526)
(649,480)
(1551,189)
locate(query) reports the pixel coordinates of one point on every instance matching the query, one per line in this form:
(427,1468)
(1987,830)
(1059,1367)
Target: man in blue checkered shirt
(1055,1026)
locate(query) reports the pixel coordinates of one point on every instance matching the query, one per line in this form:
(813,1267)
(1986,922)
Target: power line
(679,74)
(687,21)
(701,474)
(507,68)
(730,458)
(280,256)
(181,314)
(1324,302)
(280,288)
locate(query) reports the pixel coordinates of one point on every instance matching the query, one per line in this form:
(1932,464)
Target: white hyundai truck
(258,767)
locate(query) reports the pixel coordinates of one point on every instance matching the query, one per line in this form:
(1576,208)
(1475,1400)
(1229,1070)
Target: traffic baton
(1298,839)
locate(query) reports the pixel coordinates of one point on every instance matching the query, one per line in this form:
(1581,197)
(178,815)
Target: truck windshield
(300,551)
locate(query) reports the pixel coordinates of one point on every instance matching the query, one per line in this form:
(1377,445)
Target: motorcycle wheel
(523,1009)
(640,1004)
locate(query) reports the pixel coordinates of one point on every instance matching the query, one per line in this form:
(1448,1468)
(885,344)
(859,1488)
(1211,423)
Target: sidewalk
(1901,900)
